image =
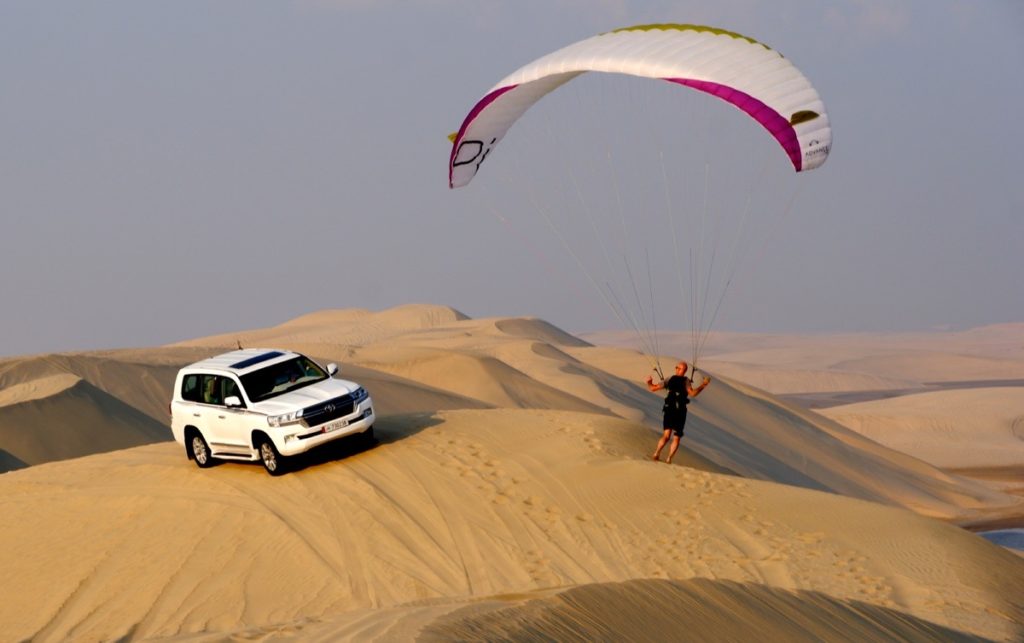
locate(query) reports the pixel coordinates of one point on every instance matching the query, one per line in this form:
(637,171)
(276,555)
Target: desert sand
(510,496)
(952,399)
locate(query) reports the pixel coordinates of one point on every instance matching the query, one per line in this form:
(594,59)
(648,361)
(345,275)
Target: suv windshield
(282,377)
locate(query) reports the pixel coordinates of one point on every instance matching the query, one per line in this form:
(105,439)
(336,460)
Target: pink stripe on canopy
(775,123)
(473,113)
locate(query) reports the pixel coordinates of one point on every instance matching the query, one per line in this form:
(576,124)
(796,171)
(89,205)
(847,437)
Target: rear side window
(190,390)
(211,393)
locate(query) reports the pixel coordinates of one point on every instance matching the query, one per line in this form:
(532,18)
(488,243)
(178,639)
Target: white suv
(264,404)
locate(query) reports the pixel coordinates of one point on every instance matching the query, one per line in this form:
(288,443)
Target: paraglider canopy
(737,69)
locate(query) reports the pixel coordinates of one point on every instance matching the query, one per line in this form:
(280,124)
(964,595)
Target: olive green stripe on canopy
(668,26)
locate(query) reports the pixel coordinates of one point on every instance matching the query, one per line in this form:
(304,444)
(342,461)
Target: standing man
(680,390)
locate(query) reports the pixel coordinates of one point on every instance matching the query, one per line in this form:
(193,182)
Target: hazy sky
(177,169)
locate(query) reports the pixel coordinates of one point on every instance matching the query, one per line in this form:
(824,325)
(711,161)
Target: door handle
(221,416)
(195,415)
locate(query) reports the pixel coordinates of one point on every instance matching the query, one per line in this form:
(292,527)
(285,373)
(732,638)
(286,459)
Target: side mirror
(332,369)
(232,401)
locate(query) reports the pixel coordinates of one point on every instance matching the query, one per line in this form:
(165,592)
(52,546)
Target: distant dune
(968,428)
(851,362)
(511,496)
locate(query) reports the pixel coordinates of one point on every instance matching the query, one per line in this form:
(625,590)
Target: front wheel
(272,460)
(199,451)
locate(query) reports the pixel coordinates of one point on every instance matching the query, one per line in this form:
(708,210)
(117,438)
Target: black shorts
(675,421)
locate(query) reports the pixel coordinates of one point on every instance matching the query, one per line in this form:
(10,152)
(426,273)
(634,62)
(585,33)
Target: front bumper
(300,439)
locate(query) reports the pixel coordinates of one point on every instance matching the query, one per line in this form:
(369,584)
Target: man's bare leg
(673,449)
(661,445)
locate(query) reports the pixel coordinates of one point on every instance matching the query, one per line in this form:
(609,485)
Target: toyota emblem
(330,408)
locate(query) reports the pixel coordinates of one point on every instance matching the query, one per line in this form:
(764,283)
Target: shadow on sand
(386,430)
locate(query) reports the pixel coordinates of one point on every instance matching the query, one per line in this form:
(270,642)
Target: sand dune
(459,514)
(750,432)
(613,611)
(142,384)
(511,496)
(425,359)
(970,428)
(916,393)
(740,428)
(56,427)
(938,367)
(36,389)
(697,609)
(340,327)
(480,377)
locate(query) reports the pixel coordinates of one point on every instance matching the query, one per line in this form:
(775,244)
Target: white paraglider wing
(737,69)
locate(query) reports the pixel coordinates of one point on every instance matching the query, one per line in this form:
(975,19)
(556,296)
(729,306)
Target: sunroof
(246,363)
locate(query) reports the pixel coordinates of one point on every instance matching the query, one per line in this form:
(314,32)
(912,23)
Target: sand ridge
(455,506)
(37,389)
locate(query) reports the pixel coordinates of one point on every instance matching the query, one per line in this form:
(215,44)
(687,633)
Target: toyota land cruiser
(262,404)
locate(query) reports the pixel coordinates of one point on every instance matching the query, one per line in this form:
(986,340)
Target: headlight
(359,395)
(287,418)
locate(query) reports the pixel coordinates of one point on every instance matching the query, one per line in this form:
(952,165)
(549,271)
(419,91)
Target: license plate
(334,426)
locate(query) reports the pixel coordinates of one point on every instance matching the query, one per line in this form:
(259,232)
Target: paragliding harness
(677,399)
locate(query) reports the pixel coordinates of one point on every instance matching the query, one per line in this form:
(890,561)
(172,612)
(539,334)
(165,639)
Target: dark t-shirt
(677,398)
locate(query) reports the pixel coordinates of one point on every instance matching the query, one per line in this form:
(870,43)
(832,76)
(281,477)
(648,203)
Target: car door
(207,408)
(223,432)
(235,421)
(215,416)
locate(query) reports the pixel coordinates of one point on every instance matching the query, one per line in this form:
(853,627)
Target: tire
(198,450)
(272,460)
(367,438)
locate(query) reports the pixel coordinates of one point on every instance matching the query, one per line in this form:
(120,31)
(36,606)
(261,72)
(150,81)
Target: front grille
(339,407)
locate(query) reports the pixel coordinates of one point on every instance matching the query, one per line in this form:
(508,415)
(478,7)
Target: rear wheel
(272,460)
(198,450)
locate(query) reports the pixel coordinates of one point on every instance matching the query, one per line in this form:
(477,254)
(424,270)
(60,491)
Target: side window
(211,390)
(190,389)
(231,388)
